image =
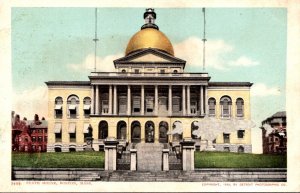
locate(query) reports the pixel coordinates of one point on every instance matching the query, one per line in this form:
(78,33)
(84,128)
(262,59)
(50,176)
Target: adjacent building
(146,96)
(29,136)
(274,133)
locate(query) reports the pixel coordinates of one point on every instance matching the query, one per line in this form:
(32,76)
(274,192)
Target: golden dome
(149,38)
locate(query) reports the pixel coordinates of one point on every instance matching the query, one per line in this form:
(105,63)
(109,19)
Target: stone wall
(199,175)
(233,147)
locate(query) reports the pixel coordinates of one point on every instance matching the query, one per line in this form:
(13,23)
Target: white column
(183,101)
(115,99)
(170,100)
(188,100)
(201,101)
(142,100)
(156,100)
(205,100)
(110,100)
(97,100)
(128,100)
(92,100)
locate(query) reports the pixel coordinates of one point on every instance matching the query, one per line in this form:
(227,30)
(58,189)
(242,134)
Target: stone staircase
(149,156)
(90,177)
(175,162)
(123,161)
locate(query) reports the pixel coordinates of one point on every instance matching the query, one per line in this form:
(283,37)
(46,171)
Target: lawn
(238,160)
(59,160)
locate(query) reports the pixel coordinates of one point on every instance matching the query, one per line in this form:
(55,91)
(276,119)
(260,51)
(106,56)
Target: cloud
(190,49)
(104,64)
(261,90)
(31,102)
(244,61)
(216,54)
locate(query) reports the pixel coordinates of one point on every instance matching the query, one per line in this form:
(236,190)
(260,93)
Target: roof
(138,53)
(248,84)
(76,83)
(279,114)
(44,124)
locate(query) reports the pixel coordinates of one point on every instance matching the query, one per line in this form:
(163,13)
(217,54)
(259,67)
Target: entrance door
(149,132)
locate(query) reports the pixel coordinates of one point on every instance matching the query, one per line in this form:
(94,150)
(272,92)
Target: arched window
(87,106)
(175,71)
(194,126)
(211,107)
(58,112)
(241,149)
(149,132)
(103,130)
(135,132)
(123,71)
(122,130)
(163,132)
(239,107)
(225,106)
(73,103)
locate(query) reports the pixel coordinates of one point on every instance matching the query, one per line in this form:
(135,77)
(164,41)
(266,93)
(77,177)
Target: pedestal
(188,149)
(133,159)
(89,144)
(110,149)
(166,159)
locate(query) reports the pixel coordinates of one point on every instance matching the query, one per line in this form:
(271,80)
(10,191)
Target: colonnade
(113,100)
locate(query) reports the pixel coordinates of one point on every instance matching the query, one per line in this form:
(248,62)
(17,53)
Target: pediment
(149,56)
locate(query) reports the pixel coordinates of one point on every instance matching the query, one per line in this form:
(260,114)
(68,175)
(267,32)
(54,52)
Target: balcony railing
(128,74)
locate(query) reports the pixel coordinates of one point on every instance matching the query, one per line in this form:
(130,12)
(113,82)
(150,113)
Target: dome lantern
(149,17)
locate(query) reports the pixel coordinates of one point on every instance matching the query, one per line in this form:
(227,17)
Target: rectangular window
(226,138)
(73,111)
(87,113)
(105,106)
(149,104)
(176,104)
(72,137)
(240,134)
(40,139)
(162,71)
(136,71)
(193,107)
(46,139)
(136,105)
(33,139)
(122,104)
(57,137)
(58,111)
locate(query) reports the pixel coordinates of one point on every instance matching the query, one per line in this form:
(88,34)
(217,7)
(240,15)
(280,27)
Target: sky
(243,44)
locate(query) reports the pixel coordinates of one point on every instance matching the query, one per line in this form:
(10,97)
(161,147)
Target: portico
(148,98)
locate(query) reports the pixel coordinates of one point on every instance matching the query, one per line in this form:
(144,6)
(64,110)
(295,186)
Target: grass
(238,160)
(96,160)
(59,160)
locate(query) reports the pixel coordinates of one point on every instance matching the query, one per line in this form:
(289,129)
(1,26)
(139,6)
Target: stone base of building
(234,148)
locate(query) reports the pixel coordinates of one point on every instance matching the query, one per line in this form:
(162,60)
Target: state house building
(143,99)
